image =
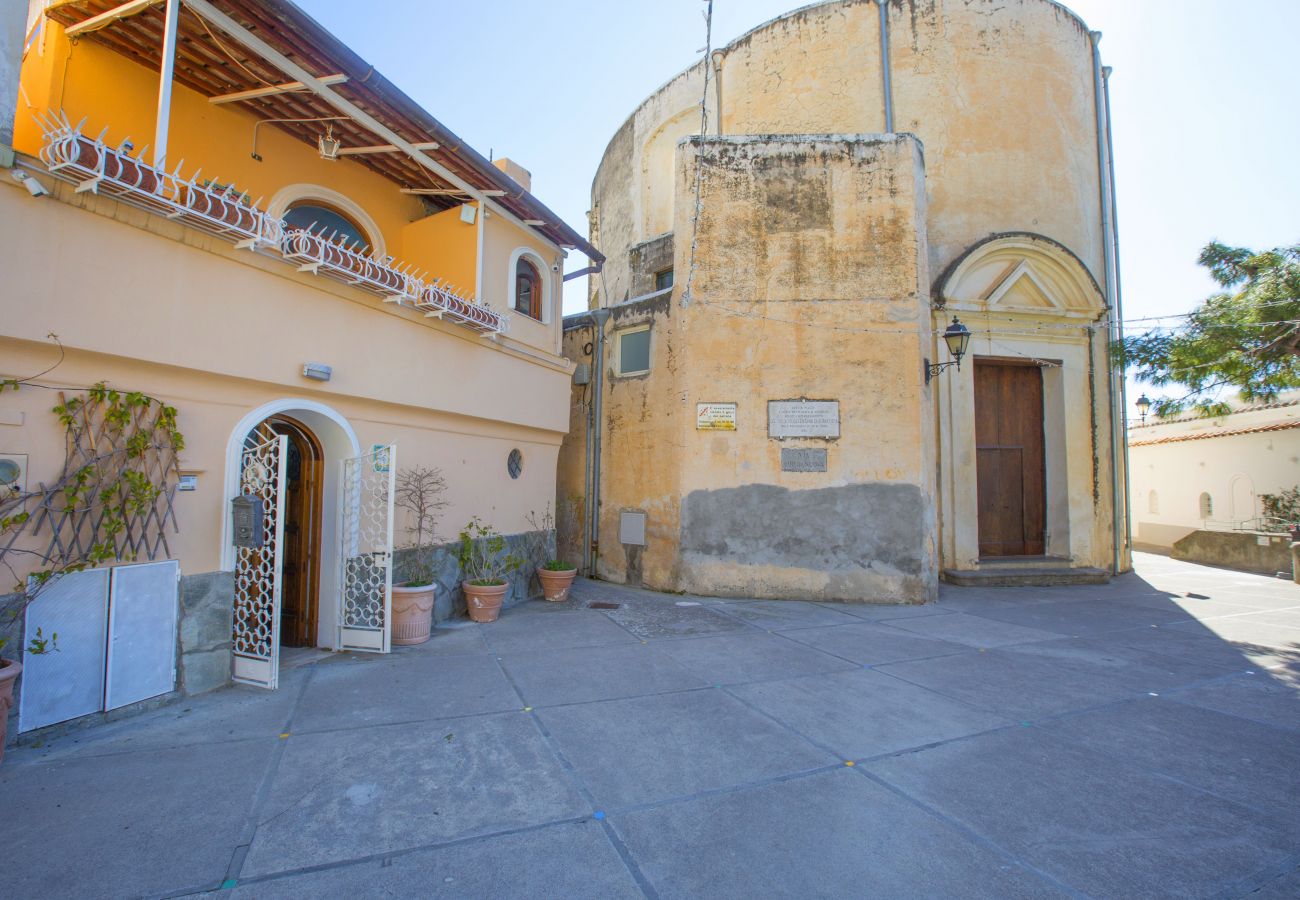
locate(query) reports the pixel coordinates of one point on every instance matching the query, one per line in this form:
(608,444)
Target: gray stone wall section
(534,547)
(206,618)
(11,631)
(1240,550)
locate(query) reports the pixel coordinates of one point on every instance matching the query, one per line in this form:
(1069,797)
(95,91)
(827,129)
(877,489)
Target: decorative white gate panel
(257,569)
(366,552)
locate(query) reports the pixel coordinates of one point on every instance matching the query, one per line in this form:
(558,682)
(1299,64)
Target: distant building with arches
(763,416)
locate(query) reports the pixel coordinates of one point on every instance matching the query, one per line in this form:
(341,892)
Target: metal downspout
(1119,307)
(600,317)
(886,83)
(1116,415)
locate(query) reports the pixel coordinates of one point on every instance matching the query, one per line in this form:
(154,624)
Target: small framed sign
(715,417)
(803,419)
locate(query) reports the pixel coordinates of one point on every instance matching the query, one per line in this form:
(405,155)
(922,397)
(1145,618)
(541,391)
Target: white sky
(1206,119)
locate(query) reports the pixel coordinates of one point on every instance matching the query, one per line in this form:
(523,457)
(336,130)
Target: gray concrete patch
(974,631)
(582,674)
(860,714)
(1104,826)
(579,628)
(1258,696)
(1085,617)
(347,693)
(777,615)
(665,619)
(137,824)
(840,835)
(526,865)
(379,790)
(871,645)
(879,612)
(1232,758)
(749,657)
(1131,669)
(674,745)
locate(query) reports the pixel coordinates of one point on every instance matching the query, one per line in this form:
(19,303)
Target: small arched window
(528,288)
(1153,502)
(313,216)
(1207,506)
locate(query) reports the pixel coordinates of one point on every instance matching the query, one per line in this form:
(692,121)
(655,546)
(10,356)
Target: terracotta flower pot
(556,583)
(10,669)
(412,614)
(484,600)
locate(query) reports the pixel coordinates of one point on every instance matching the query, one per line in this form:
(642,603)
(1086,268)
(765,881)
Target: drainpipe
(1119,303)
(884,65)
(1116,414)
(717,90)
(600,317)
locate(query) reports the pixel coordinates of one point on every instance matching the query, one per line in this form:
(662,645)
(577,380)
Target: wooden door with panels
(300,585)
(1010,464)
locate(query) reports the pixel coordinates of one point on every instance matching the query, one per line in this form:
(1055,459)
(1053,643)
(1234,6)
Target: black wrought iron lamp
(957,337)
(1144,406)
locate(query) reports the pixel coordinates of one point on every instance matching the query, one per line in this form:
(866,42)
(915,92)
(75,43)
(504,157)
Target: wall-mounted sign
(803,419)
(715,416)
(379,457)
(803,459)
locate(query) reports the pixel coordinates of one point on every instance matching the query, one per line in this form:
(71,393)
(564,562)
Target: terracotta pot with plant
(419,492)
(10,669)
(486,566)
(555,574)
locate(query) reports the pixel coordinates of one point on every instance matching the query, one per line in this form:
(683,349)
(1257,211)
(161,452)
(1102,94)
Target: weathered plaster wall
(810,281)
(1000,94)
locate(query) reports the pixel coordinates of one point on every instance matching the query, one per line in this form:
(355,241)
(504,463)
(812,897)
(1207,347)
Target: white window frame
(547,276)
(292,194)
(618,351)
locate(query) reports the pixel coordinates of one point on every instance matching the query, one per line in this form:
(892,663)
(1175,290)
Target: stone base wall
(1241,550)
(534,547)
(206,618)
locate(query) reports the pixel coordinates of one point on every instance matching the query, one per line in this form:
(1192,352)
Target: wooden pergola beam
(385,148)
(94,23)
(288,87)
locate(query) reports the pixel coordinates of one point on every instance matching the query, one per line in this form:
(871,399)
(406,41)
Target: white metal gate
(257,569)
(366,550)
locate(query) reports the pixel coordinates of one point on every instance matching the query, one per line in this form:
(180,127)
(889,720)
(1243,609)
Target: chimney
(515,171)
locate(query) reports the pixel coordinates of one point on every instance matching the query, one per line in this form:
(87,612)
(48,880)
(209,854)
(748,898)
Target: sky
(1205,123)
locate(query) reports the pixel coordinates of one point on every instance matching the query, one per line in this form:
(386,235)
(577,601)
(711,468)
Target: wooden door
(1009,459)
(299,583)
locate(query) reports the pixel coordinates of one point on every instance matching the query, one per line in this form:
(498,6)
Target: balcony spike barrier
(221,211)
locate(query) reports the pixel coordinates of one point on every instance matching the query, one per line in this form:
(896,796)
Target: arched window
(1207,506)
(528,288)
(318,218)
(1153,502)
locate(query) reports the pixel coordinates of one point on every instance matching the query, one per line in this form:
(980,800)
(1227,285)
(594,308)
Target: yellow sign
(715,417)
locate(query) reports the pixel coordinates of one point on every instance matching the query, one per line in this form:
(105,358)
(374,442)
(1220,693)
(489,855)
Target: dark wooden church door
(1009,459)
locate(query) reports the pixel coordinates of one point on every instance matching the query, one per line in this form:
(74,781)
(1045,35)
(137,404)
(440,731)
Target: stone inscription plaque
(803,459)
(803,418)
(715,416)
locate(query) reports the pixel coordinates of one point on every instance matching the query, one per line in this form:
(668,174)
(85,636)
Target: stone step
(1019,574)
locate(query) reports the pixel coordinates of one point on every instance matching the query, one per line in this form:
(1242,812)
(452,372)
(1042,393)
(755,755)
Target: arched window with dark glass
(528,289)
(330,223)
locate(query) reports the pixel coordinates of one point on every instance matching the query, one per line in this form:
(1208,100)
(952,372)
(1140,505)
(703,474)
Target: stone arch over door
(338,441)
(1029,301)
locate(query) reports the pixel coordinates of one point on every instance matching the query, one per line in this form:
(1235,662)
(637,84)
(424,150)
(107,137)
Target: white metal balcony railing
(222,211)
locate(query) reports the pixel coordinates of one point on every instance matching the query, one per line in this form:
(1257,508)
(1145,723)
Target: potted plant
(486,565)
(10,669)
(418,491)
(555,574)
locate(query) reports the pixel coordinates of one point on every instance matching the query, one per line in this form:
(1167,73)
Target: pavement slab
(1105,826)
(840,835)
(577,628)
(583,674)
(378,790)
(129,824)
(520,866)
(870,644)
(1086,616)
(974,631)
(865,713)
(777,615)
(1257,696)
(667,618)
(751,657)
(649,749)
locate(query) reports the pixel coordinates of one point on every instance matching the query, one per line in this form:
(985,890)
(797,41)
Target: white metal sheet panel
(70,683)
(631,527)
(141,633)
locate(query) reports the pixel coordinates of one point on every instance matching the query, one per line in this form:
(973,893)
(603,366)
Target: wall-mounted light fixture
(328,144)
(34,187)
(957,337)
(1144,406)
(317,371)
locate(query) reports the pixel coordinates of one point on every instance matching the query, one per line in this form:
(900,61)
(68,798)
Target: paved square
(1139,738)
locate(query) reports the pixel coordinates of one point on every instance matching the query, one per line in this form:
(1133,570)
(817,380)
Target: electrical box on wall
(631,527)
(13,473)
(582,373)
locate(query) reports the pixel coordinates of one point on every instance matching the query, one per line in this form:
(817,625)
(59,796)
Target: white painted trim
(543,270)
(618,350)
(235,446)
(290,194)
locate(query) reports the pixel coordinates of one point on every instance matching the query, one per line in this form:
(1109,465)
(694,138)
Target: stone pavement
(1137,739)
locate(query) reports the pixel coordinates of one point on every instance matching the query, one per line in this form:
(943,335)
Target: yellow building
(759,410)
(221,206)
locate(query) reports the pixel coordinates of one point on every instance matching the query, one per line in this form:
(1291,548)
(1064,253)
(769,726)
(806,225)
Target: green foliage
(1247,338)
(483,557)
(42,644)
(1283,506)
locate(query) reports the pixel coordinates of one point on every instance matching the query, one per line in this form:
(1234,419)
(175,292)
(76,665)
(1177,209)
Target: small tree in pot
(555,574)
(486,567)
(418,491)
